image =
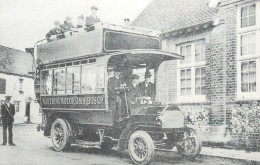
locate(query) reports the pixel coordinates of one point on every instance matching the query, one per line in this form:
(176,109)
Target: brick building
(16,81)
(217,85)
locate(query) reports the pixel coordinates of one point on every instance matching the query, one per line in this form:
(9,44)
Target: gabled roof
(165,15)
(14,61)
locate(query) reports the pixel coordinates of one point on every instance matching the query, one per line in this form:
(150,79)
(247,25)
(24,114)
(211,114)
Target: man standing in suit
(113,82)
(147,88)
(134,91)
(92,19)
(7,112)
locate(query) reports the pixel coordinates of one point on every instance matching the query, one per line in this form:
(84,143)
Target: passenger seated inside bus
(147,89)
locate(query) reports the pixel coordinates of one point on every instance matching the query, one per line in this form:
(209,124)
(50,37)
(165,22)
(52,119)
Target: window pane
(197,72)
(188,54)
(244,67)
(244,77)
(203,81)
(182,91)
(251,50)
(203,71)
(88,80)
(46,82)
(244,11)
(188,91)
(251,38)
(252,77)
(244,87)
(203,90)
(197,91)
(197,82)
(252,87)
(203,50)
(182,74)
(244,22)
(252,20)
(244,39)
(188,83)
(252,9)
(188,73)
(183,83)
(198,48)
(73,80)
(197,57)
(59,81)
(101,76)
(252,66)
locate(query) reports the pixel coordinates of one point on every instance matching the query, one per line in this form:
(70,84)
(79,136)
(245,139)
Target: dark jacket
(66,26)
(147,91)
(6,117)
(90,20)
(113,82)
(55,31)
(133,93)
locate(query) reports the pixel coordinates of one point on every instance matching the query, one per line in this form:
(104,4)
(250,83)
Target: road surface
(32,148)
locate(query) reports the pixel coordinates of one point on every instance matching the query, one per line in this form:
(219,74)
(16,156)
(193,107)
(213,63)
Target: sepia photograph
(130,82)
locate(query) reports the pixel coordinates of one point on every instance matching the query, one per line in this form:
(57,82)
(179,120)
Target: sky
(24,22)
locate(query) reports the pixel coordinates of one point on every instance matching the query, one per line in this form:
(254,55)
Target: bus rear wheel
(60,134)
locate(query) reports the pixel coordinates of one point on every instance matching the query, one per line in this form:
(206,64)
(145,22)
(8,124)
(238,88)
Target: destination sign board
(88,101)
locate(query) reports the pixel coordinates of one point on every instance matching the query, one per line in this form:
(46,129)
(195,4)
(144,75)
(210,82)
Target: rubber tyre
(60,135)
(194,144)
(141,140)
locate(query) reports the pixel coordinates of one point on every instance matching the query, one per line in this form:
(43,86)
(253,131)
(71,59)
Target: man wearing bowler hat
(7,112)
(147,89)
(92,19)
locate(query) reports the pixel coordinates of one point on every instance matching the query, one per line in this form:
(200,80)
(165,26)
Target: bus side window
(46,82)
(73,80)
(88,79)
(101,78)
(59,81)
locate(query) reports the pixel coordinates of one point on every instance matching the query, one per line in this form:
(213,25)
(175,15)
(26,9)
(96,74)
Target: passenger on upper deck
(92,19)
(127,21)
(55,33)
(67,26)
(80,21)
(147,88)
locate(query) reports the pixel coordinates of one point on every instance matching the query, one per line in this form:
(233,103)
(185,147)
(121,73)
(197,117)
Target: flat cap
(94,7)
(127,19)
(8,97)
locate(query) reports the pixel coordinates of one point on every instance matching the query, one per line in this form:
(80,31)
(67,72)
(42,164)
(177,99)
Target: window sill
(191,99)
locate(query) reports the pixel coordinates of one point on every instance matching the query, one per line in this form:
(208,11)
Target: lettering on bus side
(90,101)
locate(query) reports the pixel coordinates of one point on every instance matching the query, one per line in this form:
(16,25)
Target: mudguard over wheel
(190,146)
(60,134)
(141,148)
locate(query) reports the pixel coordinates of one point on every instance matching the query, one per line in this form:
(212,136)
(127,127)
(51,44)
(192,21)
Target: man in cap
(127,21)
(134,91)
(92,19)
(55,33)
(147,89)
(7,112)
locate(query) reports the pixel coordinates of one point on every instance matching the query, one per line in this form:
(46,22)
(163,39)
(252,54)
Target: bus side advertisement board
(88,101)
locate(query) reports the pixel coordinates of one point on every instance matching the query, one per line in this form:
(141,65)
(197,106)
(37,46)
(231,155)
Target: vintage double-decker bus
(73,91)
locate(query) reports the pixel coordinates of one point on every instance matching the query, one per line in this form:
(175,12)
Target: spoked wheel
(141,148)
(60,134)
(190,146)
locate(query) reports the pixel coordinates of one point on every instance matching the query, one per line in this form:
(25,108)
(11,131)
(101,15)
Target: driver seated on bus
(134,91)
(147,89)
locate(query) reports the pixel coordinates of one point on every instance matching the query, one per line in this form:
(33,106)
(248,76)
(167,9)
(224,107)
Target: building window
(191,73)
(200,81)
(186,52)
(2,85)
(248,16)
(186,82)
(248,56)
(248,43)
(20,86)
(17,106)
